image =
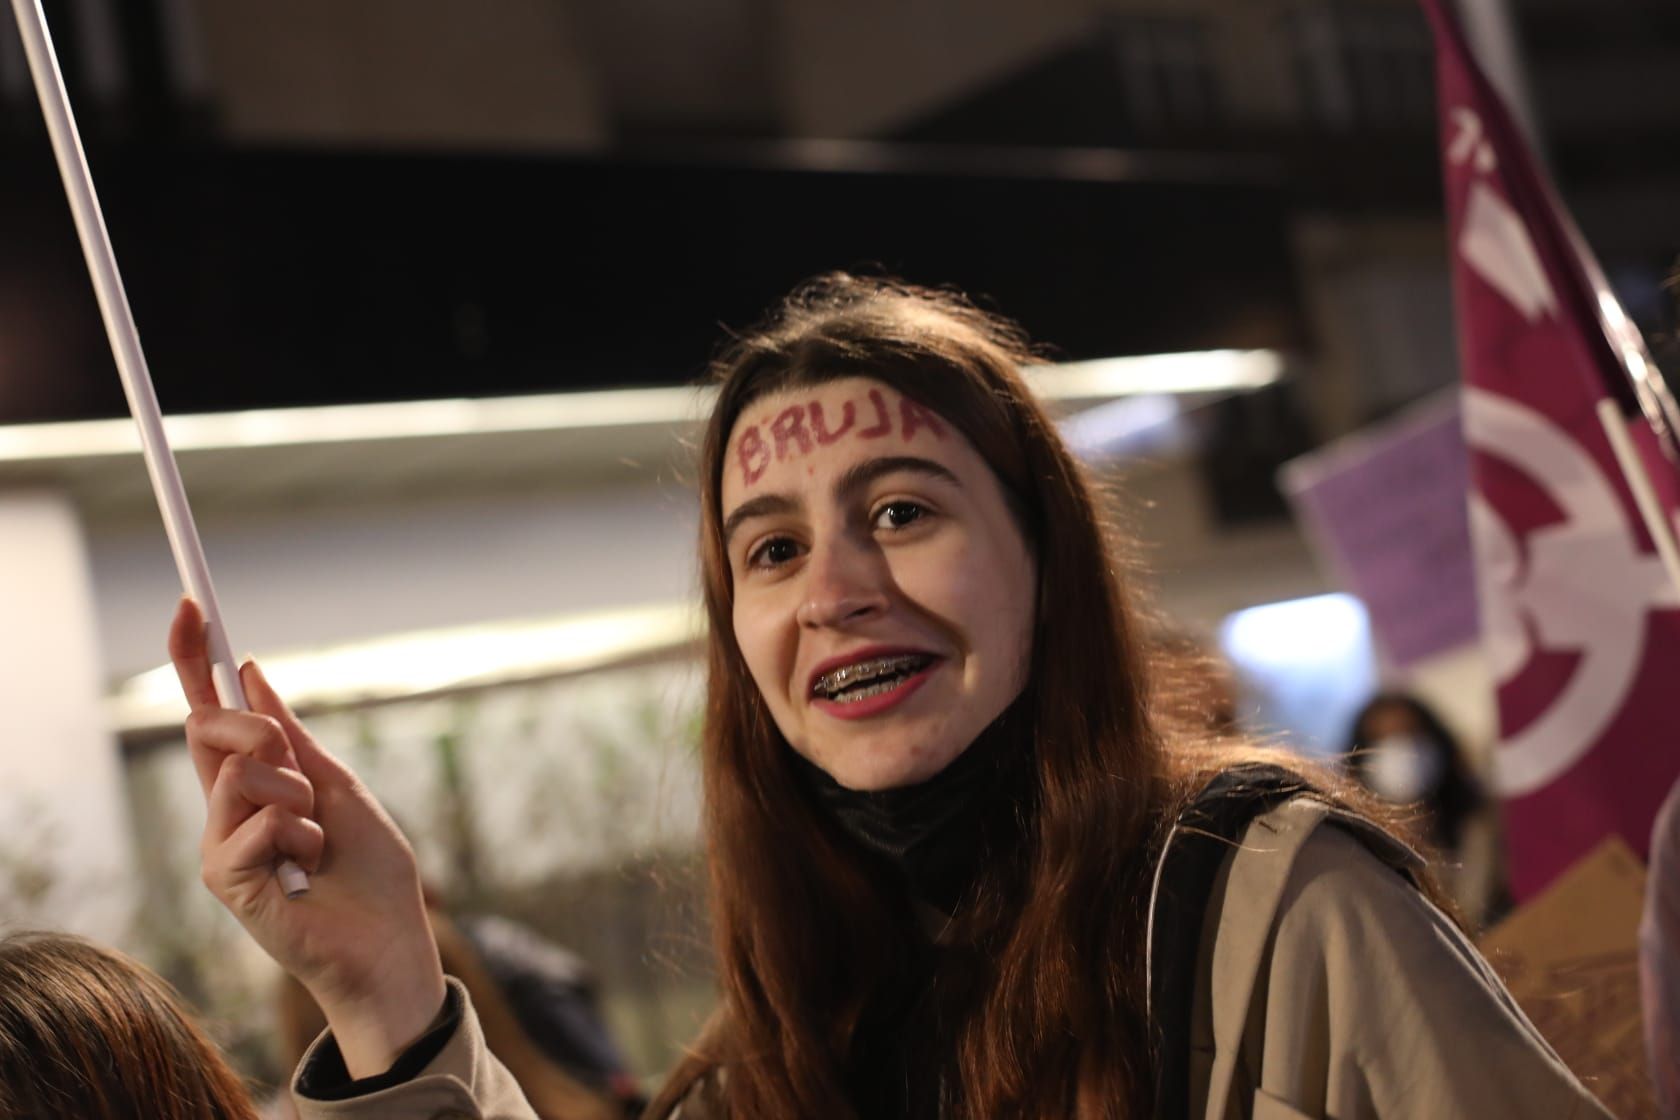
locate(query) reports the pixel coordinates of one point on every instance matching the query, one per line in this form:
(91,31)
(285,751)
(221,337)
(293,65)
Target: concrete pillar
(66,850)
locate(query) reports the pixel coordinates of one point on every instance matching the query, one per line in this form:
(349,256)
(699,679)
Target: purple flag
(1580,622)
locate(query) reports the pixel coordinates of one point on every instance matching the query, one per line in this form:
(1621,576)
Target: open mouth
(863,680)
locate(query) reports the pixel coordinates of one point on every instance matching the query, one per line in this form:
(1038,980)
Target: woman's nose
(843,583)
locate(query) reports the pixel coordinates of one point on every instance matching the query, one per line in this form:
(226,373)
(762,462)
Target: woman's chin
(873,767)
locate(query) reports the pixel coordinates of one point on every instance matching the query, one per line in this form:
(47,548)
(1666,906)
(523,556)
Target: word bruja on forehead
(794,429)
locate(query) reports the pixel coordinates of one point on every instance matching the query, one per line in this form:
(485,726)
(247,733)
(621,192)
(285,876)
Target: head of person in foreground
(88,1034)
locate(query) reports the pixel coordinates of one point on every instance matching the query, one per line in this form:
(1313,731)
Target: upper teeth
(838,679)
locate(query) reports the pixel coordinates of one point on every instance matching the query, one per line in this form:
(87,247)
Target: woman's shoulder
(1226,790)
(1345,867)
(1349,941)
(1219,879)
(1271,804)
(1303,854)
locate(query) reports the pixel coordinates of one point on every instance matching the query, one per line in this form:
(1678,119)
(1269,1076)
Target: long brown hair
(87,1033)
(1052,1023)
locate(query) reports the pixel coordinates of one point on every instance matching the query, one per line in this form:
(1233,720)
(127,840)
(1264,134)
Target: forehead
(1386,719)
(848,418)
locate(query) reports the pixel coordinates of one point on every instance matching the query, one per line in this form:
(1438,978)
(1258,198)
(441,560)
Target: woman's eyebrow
(765,505)
(857,478)
(860,475)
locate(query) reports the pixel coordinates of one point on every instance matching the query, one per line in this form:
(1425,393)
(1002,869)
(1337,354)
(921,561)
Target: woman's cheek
(750,638)
(940,573)
(768,636)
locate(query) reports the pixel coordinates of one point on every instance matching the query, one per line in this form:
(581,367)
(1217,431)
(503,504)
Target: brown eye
(897,515)
(773,553)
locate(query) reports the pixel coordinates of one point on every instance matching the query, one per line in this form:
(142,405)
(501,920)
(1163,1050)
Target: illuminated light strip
(1196,372)
(1199,371)
(351,423)
(432,662)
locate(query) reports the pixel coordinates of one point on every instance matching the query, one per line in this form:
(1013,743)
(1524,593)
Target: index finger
(190,652)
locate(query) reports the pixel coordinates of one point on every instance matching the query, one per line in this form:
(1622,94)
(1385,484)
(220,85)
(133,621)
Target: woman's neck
(938,833)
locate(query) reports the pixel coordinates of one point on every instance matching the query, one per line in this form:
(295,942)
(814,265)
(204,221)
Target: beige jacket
(1328,988)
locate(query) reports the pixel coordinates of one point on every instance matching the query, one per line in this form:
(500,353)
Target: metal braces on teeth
(840,678)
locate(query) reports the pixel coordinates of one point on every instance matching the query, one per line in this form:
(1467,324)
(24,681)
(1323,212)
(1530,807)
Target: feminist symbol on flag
(1580,623)
(1534,597)
(1532,593)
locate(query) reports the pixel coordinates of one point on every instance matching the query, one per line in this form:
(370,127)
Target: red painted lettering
(792,430)
(915,416)
(755,456)
(789,424)
(883,423)
(848,417)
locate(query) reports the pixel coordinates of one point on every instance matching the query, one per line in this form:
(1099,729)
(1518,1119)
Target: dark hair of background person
(552,1092)
(1046,1017)
(1455,797)
(88,1034)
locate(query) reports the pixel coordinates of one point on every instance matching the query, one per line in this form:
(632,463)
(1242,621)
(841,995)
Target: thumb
(312,759)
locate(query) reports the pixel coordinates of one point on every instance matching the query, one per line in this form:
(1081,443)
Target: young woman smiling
(958,866)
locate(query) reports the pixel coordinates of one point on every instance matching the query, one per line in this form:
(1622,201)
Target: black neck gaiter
(938,833)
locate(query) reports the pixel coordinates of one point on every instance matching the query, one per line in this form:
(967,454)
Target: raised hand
(359,939)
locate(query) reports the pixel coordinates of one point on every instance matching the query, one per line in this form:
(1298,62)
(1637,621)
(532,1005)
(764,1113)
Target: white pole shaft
(1644,494)
(131,363)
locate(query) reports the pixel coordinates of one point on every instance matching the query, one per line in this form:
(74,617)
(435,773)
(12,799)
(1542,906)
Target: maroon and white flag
(1580,620)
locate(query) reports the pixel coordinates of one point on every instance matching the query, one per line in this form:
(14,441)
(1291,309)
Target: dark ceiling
(280,278)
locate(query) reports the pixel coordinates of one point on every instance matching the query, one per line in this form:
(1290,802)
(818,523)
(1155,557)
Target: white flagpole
(131,365)
(1644,493)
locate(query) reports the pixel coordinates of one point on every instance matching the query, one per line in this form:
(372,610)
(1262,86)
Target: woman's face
(884,595)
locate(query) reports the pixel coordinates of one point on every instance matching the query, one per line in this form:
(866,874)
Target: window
(1167,73)
(1363,66)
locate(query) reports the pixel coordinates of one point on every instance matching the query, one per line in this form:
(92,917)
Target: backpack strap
(1207,834)
(1197,845)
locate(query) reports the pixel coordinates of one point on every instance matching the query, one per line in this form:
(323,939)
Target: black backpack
(1207,831)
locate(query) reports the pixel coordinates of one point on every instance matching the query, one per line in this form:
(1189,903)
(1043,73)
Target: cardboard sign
(1570,956)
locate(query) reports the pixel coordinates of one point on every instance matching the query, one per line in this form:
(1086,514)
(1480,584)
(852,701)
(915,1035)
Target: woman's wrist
(373,1031)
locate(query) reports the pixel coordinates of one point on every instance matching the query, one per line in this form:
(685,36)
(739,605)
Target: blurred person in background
(554,996)
(1399,749)
(88,1034)
(957,869)
(537,1004)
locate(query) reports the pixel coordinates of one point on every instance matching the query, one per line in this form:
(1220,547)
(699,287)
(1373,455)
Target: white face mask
(1402,768)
